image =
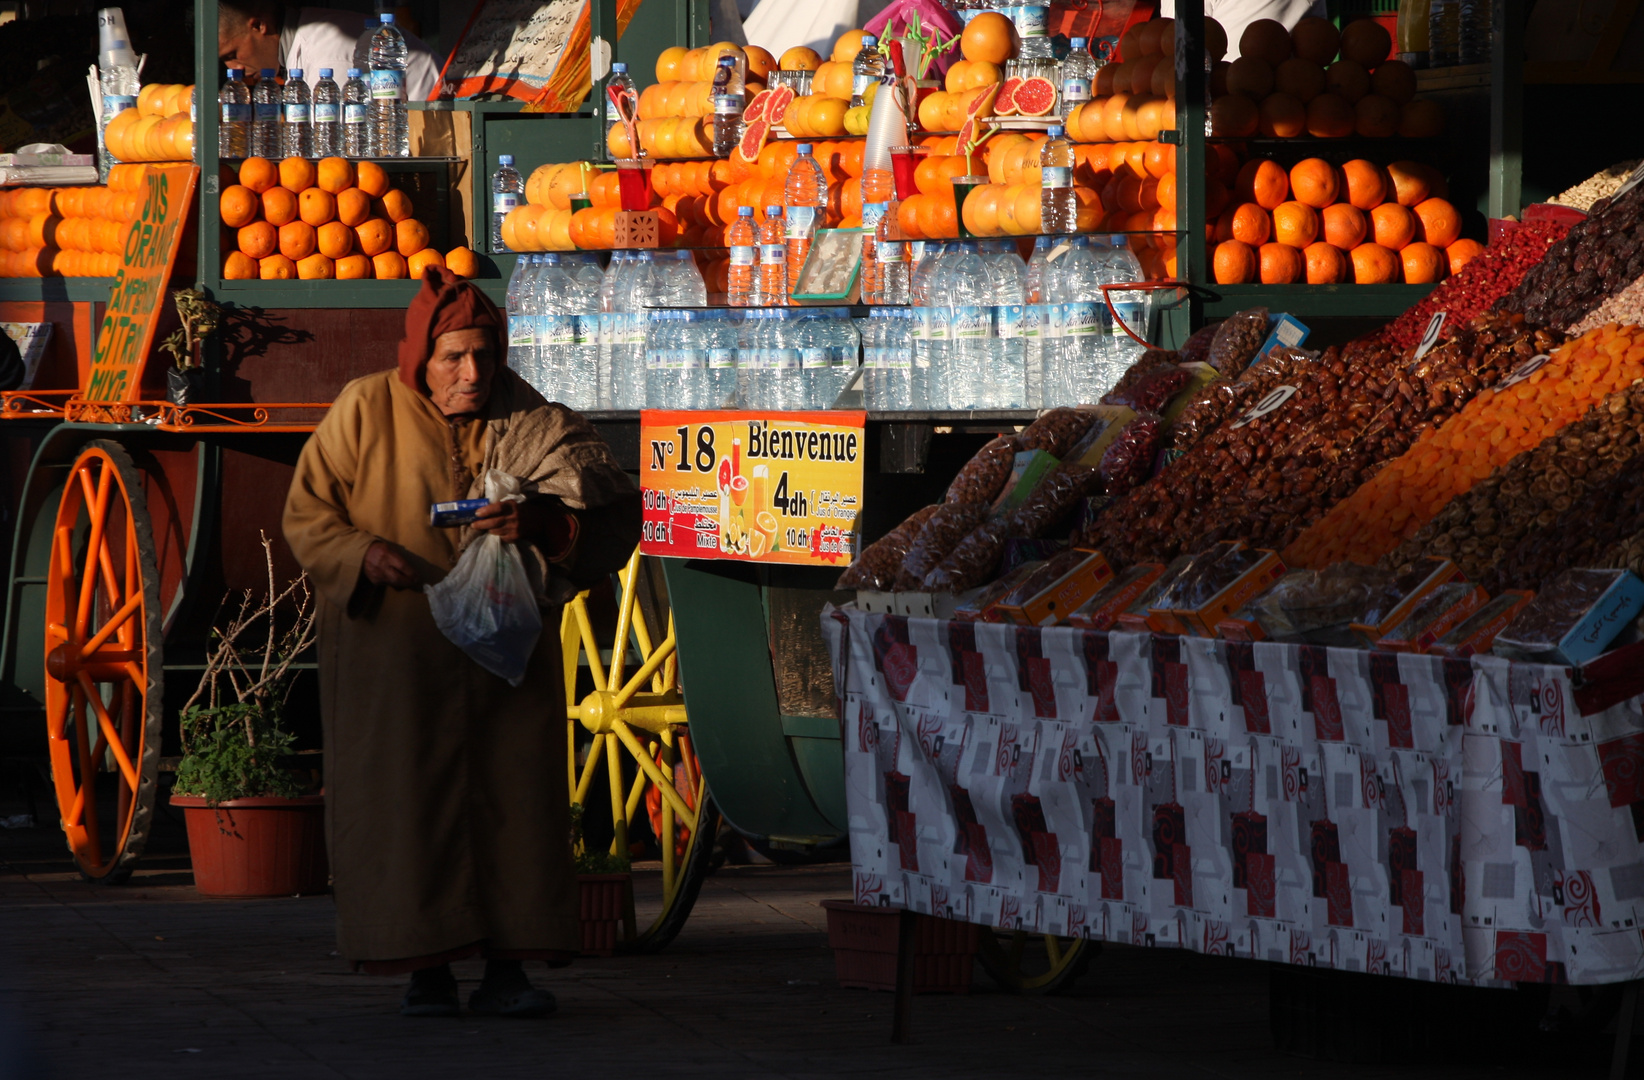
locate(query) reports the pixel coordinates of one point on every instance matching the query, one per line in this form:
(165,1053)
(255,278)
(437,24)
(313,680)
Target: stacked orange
(543,221)
(68,232)
(989,39)
(1288,83)
(157,129)
(1135,99)
(671,110)
(328,219)
(820,114)
(1322,224)
(1489,432)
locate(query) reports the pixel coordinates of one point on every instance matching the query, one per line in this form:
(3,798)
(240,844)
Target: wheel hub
(65,663)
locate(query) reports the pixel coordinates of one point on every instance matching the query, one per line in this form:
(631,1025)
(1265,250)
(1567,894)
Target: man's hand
(512,522)
(385,566)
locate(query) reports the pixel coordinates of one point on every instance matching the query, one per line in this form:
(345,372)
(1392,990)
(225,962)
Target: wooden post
(1507,108)
(1624,1021)
(1191,179)
(902,1010)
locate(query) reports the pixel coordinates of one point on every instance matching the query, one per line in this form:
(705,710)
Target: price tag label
(1430,336)
(1524,371)
(1272,402)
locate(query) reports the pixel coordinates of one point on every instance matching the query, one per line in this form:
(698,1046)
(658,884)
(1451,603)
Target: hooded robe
(446,804)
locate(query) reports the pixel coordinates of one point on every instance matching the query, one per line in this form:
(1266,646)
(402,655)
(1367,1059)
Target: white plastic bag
(485,605)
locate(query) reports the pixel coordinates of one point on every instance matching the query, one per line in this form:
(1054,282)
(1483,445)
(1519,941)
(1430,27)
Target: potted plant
(200,318)
(254,826)
(606,884)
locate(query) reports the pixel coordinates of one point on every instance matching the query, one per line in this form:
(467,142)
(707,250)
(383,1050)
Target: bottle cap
(744,211)
(727,61)
(619,68)
(505,159)
(386,18)
(803,148)
(1054,130)
(773,211)
(869,41)
(1077,43)
(235,73)
(325,73)
(353,73)
(295,73)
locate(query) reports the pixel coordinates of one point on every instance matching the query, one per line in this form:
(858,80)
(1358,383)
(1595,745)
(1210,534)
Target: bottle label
(743,255)
(1033,320)
(936,325)
(235,113)
(555,330)
(890,251)
(1074,90)
(1032,20)
(727,105)
(811,359)
(1056,176)
(504,201)
(722,358)
(1053,321)
(918,323)
(584,329)
(971,321)
(635,330)
(326,113)
(1079,319)
(387,84)
(521,334)
(895,359)
(870,357)
(266,112)
(1133,314)
(653,360)
(800,222)
(692,359)
(296,113)
(114,104)
(356,112)
(873,214)
(860,83)
(773,254)
(1007,321)
(782,359)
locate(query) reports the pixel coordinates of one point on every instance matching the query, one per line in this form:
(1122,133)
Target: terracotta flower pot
(863,940)
(607,912)
(257,847)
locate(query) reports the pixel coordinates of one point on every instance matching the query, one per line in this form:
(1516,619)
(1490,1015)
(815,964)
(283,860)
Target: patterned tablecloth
(1470,821)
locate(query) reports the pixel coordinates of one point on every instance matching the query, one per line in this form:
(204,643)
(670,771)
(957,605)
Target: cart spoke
(98,505)
(106,724)
(114,623)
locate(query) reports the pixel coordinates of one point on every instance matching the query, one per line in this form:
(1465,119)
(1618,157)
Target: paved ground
(150,980)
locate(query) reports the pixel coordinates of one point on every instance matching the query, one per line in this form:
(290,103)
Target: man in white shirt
(258,34)
(1235,15)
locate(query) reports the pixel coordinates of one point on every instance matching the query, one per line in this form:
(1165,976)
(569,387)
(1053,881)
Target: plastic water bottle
(661,374)
(1086,368)
(506,189)
(939,329)
(296,117)
(806,196)
(719,334)
(620,79)
(1078,75)
(891,267)
(751,345)
(727,105)
(1134,306)
(362,44)
(886,364)
(520,334)
(867,69)
(234,116)
(970,329)
(265,116)
(579,373)
(1004,385)
(844,352)
(328,140)
(744,256)
(356,116)
(116,75)
(815,357)
(607,327)
(771,282)
(1035,324)
(787,381)
(1058,209)
(388,120)
(681,282)
(919,324)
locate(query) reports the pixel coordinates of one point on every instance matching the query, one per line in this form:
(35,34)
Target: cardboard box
(876,602)
(1443,572)
(1443,610)
(983,604)
(1115,417)
(1102,611)
(1246,630)
(1202,374)
(1616,607)
(1060,597)
(1201,622)
(1478,632)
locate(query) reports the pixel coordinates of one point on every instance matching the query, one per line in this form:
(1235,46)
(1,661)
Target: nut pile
(1266,480)
(1626,307)
(1489,431)
(1602,529)
(1486,278)
(1534,493)
(1597,258)
(1600,185)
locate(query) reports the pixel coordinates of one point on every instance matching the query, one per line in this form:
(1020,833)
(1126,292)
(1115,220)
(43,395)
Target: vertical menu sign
(150,252)
(771,487)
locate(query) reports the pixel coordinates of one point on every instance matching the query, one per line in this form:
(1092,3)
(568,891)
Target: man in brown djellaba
(446,804)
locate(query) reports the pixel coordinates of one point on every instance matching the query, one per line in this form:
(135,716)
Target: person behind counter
(258,34)
(447,812)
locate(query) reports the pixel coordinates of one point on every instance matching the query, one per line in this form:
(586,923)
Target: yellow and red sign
(777,487)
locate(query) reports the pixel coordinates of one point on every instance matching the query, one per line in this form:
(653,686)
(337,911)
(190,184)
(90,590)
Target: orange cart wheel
(103,670)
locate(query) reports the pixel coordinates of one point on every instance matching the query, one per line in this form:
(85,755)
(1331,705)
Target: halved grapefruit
(781,98)
(753,140)
(1035,97)
(1005,103)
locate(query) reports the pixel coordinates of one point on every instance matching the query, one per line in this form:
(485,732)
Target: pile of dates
(1596,259)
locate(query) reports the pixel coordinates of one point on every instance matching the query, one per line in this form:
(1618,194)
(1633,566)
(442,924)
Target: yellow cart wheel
(1026,963)
(639,754)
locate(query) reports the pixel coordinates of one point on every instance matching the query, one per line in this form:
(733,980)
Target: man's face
(251,43)
(459,373)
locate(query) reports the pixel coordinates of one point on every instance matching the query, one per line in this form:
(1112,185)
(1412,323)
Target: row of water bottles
(755,358)
(366,117)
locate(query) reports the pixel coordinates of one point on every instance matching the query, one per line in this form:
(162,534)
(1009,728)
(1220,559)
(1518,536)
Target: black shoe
(433,992)
(507,992)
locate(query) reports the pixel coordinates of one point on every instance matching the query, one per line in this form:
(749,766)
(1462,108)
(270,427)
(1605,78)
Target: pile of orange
(1323,224)
(671,110)
(820,114)
(328,219)
(157,129)
(1489,432)
(543,221)
(68,232)
(1134,99)
(1316,81)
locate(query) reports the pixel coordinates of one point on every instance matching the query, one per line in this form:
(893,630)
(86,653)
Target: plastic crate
(863,940)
